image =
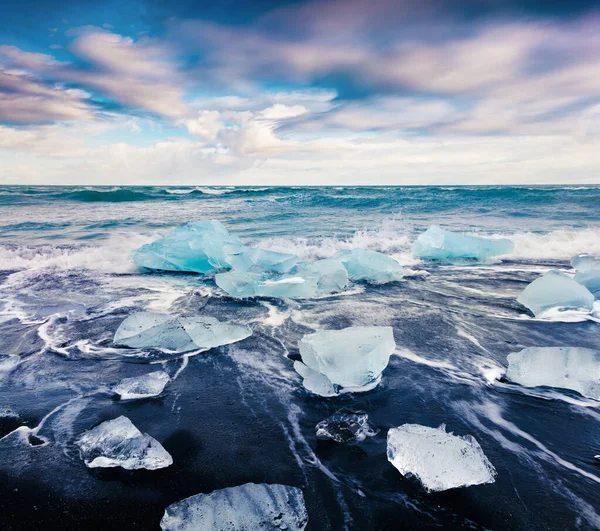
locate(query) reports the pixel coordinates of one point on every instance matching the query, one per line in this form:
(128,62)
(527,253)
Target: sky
(327,92)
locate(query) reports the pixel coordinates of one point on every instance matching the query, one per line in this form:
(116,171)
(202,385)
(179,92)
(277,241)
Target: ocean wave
(559,244)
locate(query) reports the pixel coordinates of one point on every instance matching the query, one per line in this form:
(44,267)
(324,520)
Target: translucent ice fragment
(177,334)
(145,386)
(438,244)
(306,280)
(201,247)
(258,260)
(350,360)
(344,426)
(555,290)
(439,460)
(370,266)
(588,272)
(118,442)
(249,507)
(572,368)
(585,262)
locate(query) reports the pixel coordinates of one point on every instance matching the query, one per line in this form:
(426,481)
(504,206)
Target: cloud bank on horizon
(305,92)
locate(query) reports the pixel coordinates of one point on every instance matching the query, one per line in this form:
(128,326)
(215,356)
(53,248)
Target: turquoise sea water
(239,413)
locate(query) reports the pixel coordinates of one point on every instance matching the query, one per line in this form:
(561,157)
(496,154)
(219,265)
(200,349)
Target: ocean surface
(239,413)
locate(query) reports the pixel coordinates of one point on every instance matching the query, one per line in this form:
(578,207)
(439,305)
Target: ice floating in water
(118,442)
(370,266)
(439,460)
(254,259)
(344,426)
(555,290)
(177,334)
(305,281)
(572,368)
(146,386)
(200,247)
(248,507)
(348,360)
(438,244)
(588,272)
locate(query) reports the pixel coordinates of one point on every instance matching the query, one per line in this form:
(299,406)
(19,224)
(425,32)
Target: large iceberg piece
(345,426)
(348,360)
(439,460)
(588,272)
(248,507)
(200,247)
(438,244)
(255,259)
(177,334)
(572,368)
(555,290)
(305,281)
(146,386)
(118,442)
(370,266)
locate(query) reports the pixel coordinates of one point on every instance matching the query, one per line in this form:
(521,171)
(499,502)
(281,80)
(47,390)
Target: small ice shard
(145,386)
(258,260)
(249,507)
(177,334)
(572,368)
(555,290)
(588,272)
(438,244)
(305,281)
(118,442)
(439,460)
(200,247)
(345,426)
(348,360)
(370,266)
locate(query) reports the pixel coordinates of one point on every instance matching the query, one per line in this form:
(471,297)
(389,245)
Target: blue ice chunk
(583,263)
(370,266)
(439,460)
(177,334)
(249,507)
(328,275)
(255,259)
(555,290)
(438,244)
(565,367)
(200,247)
(118,442)
(145,386)
(588,272)
(348,360)
(305,281)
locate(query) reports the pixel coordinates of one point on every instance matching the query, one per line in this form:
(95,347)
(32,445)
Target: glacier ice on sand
(177,334)
(370,266)
(145,386)
(258,260)
(306,280)
(249,507)
(439,244)
(587,269)
(348,360)
(345,426)
(555,290)
(118,442)
(572,368)
(199,247)
(439,460)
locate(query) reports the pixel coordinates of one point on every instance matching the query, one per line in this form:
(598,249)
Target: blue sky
(306,92)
